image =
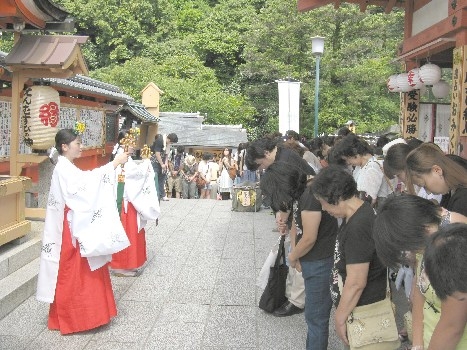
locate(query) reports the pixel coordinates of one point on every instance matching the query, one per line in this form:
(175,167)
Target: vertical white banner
(425,122)
(289,105)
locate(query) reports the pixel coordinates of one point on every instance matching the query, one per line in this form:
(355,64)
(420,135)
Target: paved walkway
(197,292)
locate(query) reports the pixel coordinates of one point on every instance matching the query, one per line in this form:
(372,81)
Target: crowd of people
(357,215)
(351,211)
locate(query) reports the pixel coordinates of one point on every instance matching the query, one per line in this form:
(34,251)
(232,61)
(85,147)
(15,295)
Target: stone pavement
(197,291)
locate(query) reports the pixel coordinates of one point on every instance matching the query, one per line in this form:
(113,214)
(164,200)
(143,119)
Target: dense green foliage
(222,57)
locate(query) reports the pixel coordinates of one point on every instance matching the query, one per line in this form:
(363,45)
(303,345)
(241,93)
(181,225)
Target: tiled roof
(85,84)
(192,132)
(139,111)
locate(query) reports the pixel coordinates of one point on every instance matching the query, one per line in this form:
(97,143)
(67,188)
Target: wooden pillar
(459,95)
(17,84)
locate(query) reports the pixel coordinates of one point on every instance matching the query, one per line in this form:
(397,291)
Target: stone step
(15,255)
(18,286)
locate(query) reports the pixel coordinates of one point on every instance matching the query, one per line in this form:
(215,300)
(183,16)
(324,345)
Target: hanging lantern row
(427,75)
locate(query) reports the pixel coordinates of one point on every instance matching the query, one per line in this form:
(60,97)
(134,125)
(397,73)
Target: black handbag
(274,294)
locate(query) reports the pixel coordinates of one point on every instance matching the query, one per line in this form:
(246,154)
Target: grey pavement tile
(237,268)
(195,278)
(228,348)
(110,345)
(149,288)
(281,332)
(231,326)
(239,291)
(210,245)
(207,259)
(53,340)
(120,285)
(190,295)
(241,252)
(12,342)
(134,320)
(33,311)
(184,313)
(164,265)
(175,336)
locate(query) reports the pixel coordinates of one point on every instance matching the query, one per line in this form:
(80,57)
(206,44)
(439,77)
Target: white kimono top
(140,190)
(93,220)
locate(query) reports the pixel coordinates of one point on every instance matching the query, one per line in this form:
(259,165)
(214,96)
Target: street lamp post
(317,49)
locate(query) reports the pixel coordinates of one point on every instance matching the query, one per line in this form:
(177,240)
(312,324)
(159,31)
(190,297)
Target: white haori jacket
(140,190)
(93,220)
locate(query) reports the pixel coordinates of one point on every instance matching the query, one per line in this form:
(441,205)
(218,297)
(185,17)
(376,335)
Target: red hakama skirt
(83,298)
(134,256)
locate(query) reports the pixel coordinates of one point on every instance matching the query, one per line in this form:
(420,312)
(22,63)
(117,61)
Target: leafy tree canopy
(223,57)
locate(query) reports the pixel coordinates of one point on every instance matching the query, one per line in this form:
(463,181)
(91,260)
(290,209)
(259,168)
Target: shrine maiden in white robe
(93,220)
(140,190)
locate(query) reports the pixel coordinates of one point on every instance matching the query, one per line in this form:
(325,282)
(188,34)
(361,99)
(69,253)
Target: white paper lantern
(40,113)
(403,83)
(441,89)
(413,77)
(429,74)
(392,83)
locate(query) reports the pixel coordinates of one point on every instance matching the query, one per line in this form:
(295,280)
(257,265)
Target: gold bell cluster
(129,141)
(146,152)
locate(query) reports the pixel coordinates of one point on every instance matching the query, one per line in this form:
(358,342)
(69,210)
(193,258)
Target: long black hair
(401,226)
(281,184)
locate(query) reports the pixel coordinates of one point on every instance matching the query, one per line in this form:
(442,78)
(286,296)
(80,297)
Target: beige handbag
(373,326)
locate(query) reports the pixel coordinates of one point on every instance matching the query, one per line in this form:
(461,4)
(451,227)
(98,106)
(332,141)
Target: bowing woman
(312,238)
(136,191)
(74,277)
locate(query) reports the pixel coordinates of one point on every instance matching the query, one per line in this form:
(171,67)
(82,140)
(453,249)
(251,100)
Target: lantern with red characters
(40,116)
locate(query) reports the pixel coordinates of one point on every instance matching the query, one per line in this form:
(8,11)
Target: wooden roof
(53,52)
(34,14)
(388,5)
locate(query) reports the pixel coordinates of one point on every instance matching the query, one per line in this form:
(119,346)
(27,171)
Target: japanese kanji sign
(411,109)
(459,95)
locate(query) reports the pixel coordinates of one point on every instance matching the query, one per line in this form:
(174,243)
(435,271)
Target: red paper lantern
(40,113)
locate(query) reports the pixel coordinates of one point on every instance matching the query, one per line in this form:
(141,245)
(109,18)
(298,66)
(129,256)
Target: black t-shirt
(289,156)
(458,201)
(327,230)
(158,146)
(355,245)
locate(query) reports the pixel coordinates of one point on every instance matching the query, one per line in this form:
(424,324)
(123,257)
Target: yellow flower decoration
(79,128)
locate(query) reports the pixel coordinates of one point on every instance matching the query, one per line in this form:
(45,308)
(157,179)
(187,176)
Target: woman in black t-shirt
(358,277)
(312,237)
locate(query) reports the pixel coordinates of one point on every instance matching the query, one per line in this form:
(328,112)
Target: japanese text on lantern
(457,104)
(412,107)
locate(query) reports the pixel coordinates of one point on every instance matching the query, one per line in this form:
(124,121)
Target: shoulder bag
(200,182)
(373,326)
(274,294)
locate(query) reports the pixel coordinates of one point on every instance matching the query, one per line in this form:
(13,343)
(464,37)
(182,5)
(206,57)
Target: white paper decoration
(441,89)
(403,82)
(413,77)
(429,74)
(392,84)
